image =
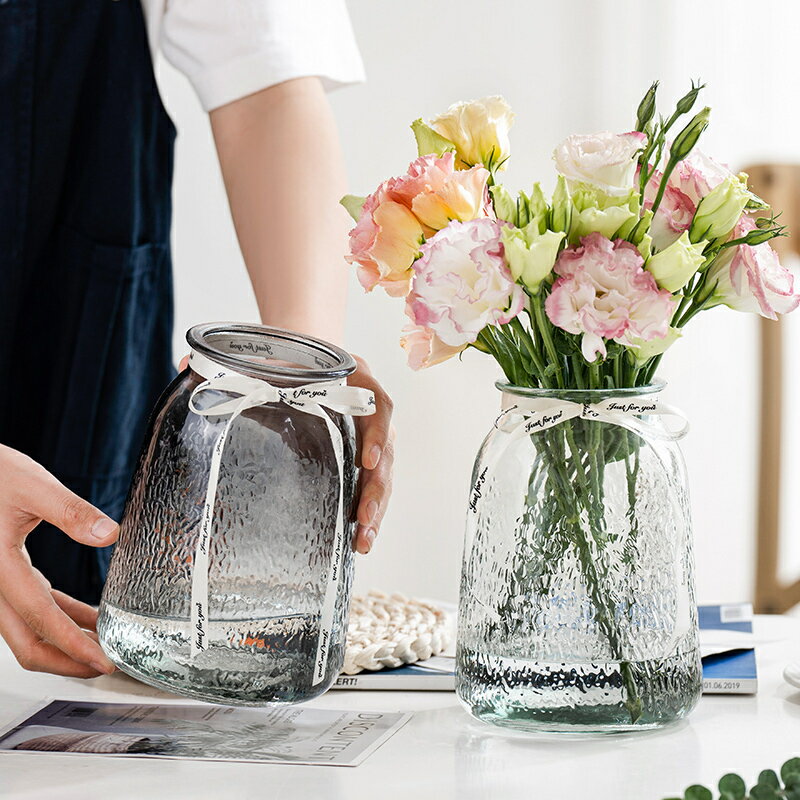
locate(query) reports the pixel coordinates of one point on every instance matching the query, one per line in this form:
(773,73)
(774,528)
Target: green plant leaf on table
(697,793)
(768,786)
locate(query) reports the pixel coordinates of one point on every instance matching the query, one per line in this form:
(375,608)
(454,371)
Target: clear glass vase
(577,609)
(273,548)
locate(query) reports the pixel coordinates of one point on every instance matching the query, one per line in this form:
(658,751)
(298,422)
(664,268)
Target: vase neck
(577,395)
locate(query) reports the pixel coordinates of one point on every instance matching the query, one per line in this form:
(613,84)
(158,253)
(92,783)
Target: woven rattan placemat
(388,631)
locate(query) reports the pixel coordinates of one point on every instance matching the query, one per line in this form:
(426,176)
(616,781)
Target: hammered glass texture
(577,607)
(271,547)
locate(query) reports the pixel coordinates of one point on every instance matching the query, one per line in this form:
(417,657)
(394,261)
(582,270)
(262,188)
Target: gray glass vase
(577,610)
(272,539)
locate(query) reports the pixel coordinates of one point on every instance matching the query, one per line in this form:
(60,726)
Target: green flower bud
(686,102)
(687,138)
(647,108)
(504,205)
(719,210)
(627,227)
(640,229)
(523,209)
(756,237)
(538,207)
(674,266)
(530,255)
(561,208)
(645,246)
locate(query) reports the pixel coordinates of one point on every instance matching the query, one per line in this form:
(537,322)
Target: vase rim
(583,395)
(268,353)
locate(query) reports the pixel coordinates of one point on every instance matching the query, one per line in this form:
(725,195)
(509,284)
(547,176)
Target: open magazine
(276,735)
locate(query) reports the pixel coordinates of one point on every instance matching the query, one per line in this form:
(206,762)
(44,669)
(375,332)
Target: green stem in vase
(545,331)
(573,501)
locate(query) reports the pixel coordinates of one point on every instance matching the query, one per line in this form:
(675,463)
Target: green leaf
(760,792)
(353,204)
(732,787)
(792,780)
(428,141)
(767,777)
(697,792)
(790,766)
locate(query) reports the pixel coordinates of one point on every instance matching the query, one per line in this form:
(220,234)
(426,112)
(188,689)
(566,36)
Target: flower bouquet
(577,605)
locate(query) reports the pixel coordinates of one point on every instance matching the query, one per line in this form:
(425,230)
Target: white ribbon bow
(541,413)
(312,398)
(527,415)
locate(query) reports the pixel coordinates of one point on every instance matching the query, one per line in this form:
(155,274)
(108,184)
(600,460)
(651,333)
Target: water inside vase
(578,697)
(249,661)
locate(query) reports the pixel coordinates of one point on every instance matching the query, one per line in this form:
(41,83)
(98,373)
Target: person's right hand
(47,630)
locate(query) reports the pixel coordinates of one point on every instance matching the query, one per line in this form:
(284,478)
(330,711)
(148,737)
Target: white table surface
(441,754)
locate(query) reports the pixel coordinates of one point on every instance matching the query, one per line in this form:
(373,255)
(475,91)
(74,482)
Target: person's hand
(47,630)
(377,458)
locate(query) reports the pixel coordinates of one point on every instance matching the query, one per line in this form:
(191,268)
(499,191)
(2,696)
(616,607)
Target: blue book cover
(729,662)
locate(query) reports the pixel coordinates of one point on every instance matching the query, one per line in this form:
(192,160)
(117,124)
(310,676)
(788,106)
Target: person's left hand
(377,456)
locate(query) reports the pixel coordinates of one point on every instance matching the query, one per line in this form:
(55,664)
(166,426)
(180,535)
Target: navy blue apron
(85,274)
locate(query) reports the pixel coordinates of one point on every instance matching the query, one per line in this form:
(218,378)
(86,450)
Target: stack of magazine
(726,647)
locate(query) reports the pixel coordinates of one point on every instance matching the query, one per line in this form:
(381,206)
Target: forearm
(283,171)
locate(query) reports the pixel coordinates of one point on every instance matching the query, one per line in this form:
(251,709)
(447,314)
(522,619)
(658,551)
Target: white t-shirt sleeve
(231,48)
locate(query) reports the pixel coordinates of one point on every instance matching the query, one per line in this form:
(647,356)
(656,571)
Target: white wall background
(571,66)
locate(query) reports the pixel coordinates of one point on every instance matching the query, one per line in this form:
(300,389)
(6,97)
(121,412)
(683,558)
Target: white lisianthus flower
(479,130)
(604,160)
(674,267)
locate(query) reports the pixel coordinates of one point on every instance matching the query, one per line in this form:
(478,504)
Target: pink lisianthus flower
(698,174)
(461,283)
(402,212)
(674,214)
(424,348)
(751,278)
(690,181)
(603,292)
